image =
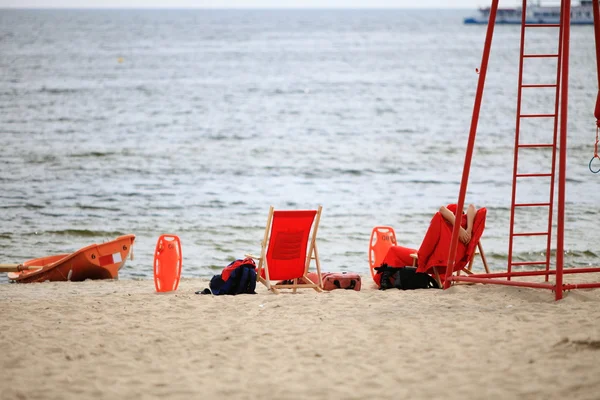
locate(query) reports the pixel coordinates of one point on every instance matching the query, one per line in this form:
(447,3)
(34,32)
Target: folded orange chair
(288,247)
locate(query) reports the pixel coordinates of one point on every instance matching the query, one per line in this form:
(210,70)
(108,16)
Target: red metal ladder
(521,178)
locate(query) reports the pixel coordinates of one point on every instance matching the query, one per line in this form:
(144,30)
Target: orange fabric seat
(435,248)
(432,255)
(288,247)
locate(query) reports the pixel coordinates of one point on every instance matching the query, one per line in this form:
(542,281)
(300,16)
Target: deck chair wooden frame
(467,270)
(312,253)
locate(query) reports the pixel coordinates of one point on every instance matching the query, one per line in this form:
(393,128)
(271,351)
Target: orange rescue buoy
(382,238)
(167,263)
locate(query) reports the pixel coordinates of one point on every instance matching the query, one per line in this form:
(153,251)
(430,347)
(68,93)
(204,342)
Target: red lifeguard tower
(558,147)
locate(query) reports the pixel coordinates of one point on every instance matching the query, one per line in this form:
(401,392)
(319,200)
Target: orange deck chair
(288,247)
(465,264)
(382,238)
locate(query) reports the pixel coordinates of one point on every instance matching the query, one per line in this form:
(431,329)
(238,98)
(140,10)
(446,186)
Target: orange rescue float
(382,238)
(167,263)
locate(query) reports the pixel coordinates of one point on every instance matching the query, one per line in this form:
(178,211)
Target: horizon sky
(250,3)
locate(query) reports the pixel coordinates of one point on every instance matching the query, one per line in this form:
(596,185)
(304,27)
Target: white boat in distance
(581,14)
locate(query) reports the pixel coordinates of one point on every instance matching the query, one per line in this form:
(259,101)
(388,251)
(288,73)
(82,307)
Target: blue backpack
(237,278)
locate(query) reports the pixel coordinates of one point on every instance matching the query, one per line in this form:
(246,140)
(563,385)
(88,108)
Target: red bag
(337,280)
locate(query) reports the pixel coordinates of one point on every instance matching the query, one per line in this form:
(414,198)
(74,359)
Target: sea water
(194,122)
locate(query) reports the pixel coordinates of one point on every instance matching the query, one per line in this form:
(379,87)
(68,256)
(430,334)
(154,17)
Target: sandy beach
(120,339)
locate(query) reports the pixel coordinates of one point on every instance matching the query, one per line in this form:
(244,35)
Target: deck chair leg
(437,276)
(267,278)
(470,266)
(263,255)
(313,252)
(310,282)
(414,257)
(469,269)
(320,283)
(268,285)
(482,254)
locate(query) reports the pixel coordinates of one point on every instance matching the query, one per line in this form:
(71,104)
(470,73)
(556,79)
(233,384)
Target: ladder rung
(536,145)
(532,205)
(531,175)
(537,115)
(538,85)
(542,25)
(540,55)
(529,263)
(531,234)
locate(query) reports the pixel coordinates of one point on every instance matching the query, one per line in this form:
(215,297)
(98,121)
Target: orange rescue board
(167,263)
(382,238)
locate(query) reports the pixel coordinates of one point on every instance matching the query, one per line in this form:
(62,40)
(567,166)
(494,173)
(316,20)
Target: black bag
(237,278)
(405,278)
(241,280)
